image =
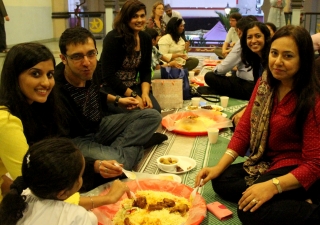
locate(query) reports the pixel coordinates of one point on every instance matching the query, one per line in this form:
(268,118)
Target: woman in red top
(279,182)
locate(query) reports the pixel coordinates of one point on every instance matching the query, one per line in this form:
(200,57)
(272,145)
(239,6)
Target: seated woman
(172,46)
(126,57)
(239,86)
(156,22)
(29,112)
(279,182)
(52,171)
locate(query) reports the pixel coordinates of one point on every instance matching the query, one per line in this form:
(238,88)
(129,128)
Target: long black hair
(251,59)
(39,119)
(121,23)
(172,28)
(305,82)
(49,167)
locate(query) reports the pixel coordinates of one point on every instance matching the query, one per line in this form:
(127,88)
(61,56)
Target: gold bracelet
(91,203)
(228,152)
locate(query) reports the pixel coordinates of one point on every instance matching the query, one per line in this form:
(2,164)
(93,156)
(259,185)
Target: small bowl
(169,166)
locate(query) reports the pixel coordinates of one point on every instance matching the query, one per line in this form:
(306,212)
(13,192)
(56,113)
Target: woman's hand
(256,195)
(187,46)
(175,64)
(128,102)
(146,101)
(117,189)
(107,169)
(140,105)
(207,174)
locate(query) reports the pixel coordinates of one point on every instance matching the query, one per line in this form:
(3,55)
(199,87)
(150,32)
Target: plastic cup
(213,134)
(224,101)
(195,101)
(191,74)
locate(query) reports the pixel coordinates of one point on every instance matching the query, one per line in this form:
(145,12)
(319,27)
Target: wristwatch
(116,101)
(276,182)
(133,94)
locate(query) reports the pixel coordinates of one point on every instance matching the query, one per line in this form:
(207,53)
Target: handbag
(175,73)
(200,92)
(168,92)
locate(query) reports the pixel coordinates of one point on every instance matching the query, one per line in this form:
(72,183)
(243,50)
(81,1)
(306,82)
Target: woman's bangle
(91,203)
(229,152)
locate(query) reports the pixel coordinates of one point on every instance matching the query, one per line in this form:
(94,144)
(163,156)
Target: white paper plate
(185,163)
(169,176)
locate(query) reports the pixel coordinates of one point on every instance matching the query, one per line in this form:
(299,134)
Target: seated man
(231,38)
(169,13)
(121,137)
(239,86)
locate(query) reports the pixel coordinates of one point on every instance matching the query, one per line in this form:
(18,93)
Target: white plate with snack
(209,107)
(169,176)
(185,165)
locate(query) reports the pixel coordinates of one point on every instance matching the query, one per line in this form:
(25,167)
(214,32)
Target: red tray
(176,116)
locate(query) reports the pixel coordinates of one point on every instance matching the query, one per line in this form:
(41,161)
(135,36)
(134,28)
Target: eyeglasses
(77,57)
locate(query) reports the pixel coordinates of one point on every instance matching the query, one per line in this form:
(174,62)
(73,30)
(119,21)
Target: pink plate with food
(193,123)
(211,62)
(176,208)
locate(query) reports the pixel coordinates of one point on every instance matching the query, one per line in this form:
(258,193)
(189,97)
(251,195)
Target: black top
(114,53)
(77,123)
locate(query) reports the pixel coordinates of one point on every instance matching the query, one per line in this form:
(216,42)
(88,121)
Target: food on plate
(192,107)
(153,208)
(217,108)
(179,169)
(166,177)
(194,123)
(168,160)
(206,107)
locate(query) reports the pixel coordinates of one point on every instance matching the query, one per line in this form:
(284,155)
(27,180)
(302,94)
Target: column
(112,7)
(59,24)
(296,6)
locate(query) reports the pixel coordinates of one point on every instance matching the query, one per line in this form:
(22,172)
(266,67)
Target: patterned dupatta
(259,120)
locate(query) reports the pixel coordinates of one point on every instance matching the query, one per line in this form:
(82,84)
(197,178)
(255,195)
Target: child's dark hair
(152,33)
(49,166)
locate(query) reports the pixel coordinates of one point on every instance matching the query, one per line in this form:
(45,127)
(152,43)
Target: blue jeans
(121,137)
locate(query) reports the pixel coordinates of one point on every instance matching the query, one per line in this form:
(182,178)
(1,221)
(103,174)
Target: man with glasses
(231,38)
(120,137)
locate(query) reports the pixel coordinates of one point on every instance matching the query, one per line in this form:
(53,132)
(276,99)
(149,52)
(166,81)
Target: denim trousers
(121,137)
(287,208)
